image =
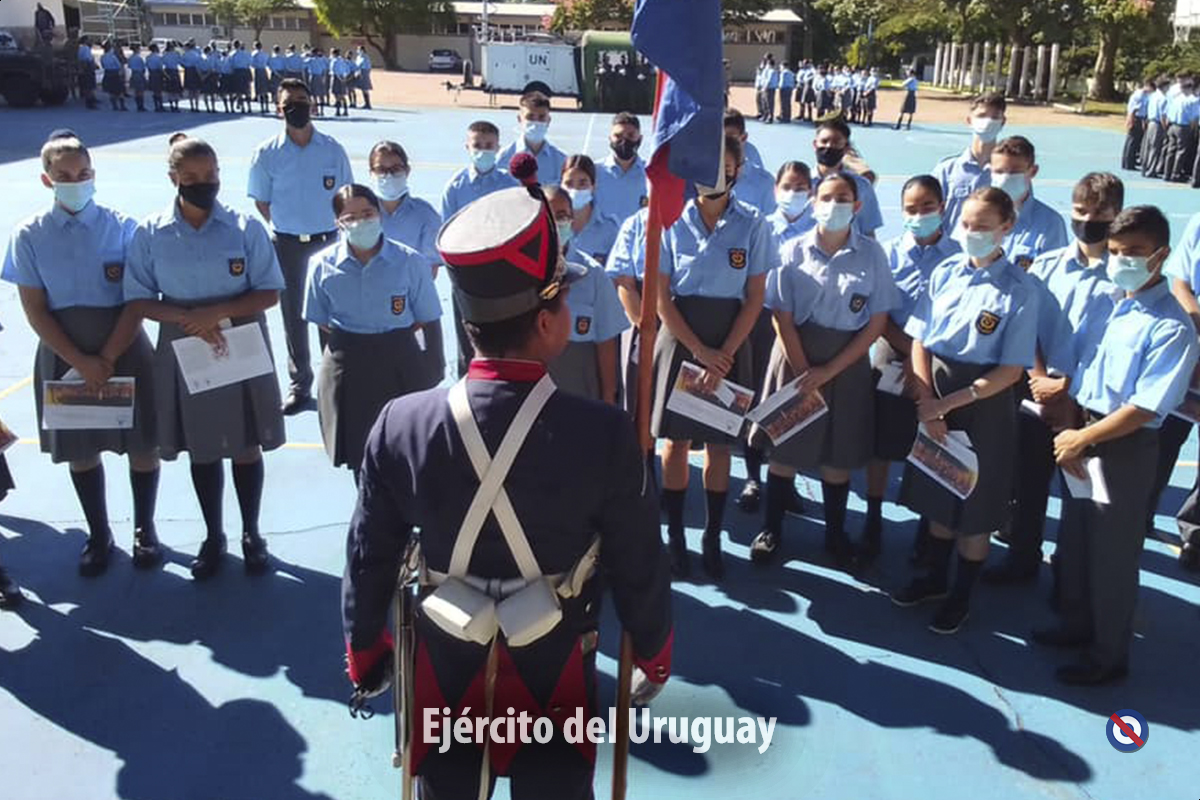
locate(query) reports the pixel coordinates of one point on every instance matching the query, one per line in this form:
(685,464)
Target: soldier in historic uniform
(573,500)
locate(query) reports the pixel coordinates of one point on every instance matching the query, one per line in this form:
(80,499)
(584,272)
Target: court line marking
(16,387)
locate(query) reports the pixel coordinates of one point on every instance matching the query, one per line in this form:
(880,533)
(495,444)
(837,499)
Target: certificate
(723,407)
(787,412)
(951,463)
(1092,487)
(205,367)
(891,379)
(70,406)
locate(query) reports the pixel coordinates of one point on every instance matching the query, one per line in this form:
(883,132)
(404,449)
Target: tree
(380,21)
(739,12)
(226,13)
(255,14)
(1114,21)
(583,15)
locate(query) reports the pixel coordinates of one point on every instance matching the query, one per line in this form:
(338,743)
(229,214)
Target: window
(159,19)
(302,23)
(170,19)
(465,29)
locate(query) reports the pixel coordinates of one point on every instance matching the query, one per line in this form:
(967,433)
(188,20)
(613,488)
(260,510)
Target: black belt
(306,238)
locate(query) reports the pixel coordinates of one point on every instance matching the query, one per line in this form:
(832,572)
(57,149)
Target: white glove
(641,689)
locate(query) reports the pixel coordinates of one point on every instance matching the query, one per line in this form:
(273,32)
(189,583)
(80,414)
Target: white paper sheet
(1092,487)
(1032,408)
(724,409)
(891,379)
(787,412)
(69,406)
(244,356)
(952,463)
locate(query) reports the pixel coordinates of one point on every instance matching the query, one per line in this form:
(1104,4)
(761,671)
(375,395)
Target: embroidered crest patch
(399,302)
(329,181)
(237,267)
(583,325)
(737,257)
(858,302)
(987,322)
(114,271)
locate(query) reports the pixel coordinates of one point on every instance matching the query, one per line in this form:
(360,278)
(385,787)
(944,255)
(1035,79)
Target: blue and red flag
(683,39)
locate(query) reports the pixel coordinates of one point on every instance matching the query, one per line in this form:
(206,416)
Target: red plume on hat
(524,168)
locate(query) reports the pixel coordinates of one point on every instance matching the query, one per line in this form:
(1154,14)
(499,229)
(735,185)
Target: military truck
(27,76)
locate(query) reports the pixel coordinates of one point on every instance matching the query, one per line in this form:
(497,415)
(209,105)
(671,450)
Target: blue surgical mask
(986,128)
(834,216)
(390,187)
(564,232)
(1013,184)
(922,226)
(1130,273)
(483,160)
(364,234)
(792,202)
(579,198)
(980,244)
(535,132)
(74,197)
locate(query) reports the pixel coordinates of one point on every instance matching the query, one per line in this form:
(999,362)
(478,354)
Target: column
(976,71)
(949,81)
(937,63)
(1027,57)
(1053,84)
(999,67)
(1039,91)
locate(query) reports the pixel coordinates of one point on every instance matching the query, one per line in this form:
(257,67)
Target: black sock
(964,578)
(834,497)
(89,487)
(779,492)
(672,500)
(939,559)
(874,515)
(714,517)
(248,482)
(754,462)
(145,496)
(209,482)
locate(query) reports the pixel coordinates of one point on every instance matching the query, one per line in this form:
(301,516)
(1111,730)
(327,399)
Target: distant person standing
(363,79)
(293,178)
(137,75)
(1183,112)
(770,90)
(787,85)
(86,64)
(114,77)
(43,23)
(910,101)
(1155,137)
(260,61)
(1135,124)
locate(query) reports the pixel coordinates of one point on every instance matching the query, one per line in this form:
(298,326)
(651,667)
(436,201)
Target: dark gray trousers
(293,260)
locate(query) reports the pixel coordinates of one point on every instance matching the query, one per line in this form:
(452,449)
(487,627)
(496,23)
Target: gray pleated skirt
(710,318)
(895,415)
(262,81)
(991,424)
(577,370)
(359,374)
(844,437)
(137,81)
(89,328)
(113,81)
(363,81)
(219,423)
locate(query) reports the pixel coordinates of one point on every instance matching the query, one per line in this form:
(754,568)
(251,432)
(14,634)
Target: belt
(305,238)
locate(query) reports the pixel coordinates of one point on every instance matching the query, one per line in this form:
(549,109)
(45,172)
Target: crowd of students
(1053,348)
(1161,120)
(820,90)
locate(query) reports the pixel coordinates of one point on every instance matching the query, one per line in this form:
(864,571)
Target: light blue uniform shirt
(550,160)
(78,260)
(468,186)
(960,175)
(785,230)
(980,316)
(756,187)
(259,59)
(596,239)
(1039,229)
(1183,109)
(415,223)
(299,182)
(596,312)
(363,62)
(787,79)
(620,192)
(342,68)
(841,291)
(1138,101)
(1184,261)
(1156,105)
(240,59)
(628,255)
(229,255)
(85,56)
(751,155)
(911,266)
(109,61)
(1054,335)
(1076,286)
(137,64)
(317,65)
(225,64)
(909,85)
(1144,357)
(277,63)
(154,62)
(171,60)
(717,264)
(869,218)
(294,62)
(772,79)
(191,57)
(394,290)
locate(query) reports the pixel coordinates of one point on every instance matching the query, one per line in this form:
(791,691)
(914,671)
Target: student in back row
(533,117)
(962,174)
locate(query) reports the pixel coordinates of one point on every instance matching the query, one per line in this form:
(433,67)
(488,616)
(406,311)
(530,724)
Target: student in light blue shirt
(909,106)
(756,188)
(713,279)
(196,268)
(1137,374)
(831,143)
(534,118)
(1156,133)
(171,83)
(770,89)
(406,219)
(68,263)
(625,266)
(294,63)
(376,301)
(114,78)
(137,76)
(243,77)
(621,177)
(154,69)
(974,334)
(317,68)
(735,125)
(362,80)
(830,300)
(1182,113)
(85,65)
(793,214)
(592,231)
(1039,227)
(962,174)
(293,178)
(787,86)
(260,62)
(191,60)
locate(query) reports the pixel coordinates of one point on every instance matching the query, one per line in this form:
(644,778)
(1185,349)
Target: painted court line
(16,387)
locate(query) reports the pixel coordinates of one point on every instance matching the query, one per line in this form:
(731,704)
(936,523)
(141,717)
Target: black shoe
(1010,572)
(254,553)
(842,551)
(714,567)
(93,561)
(1089,673)
(681,565)
(1189,557)
(765,546)
(872,543)
(795,504)
(921,590)
(751,496)
(1059,637)
(10,593)
(147,552)
(950,616)
(208,560)
(295,403)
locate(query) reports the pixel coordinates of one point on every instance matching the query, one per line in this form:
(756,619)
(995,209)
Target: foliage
(739,12)
(584,15)
(1183,57)
(380,21)
(255,14)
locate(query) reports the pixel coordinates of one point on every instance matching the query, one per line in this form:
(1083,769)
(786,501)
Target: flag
(683,39)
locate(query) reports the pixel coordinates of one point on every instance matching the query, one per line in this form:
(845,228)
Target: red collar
(506,369)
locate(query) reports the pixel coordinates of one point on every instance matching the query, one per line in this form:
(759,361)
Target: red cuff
(658,668)
(506,369)
(359,663)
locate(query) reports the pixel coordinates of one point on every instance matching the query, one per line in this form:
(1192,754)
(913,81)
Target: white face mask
(535,132)
(390,187)
(74,197)
(563,226)
(792,202)
(1130,273)
(364,233)
(980,244)
(580,198)
(834,216)
(1013,184)
(986,128)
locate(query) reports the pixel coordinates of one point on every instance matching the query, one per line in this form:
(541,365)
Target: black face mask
(830,156)
(296,114)
(1090,232)
(624,149)
(200,195)
(730,180)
